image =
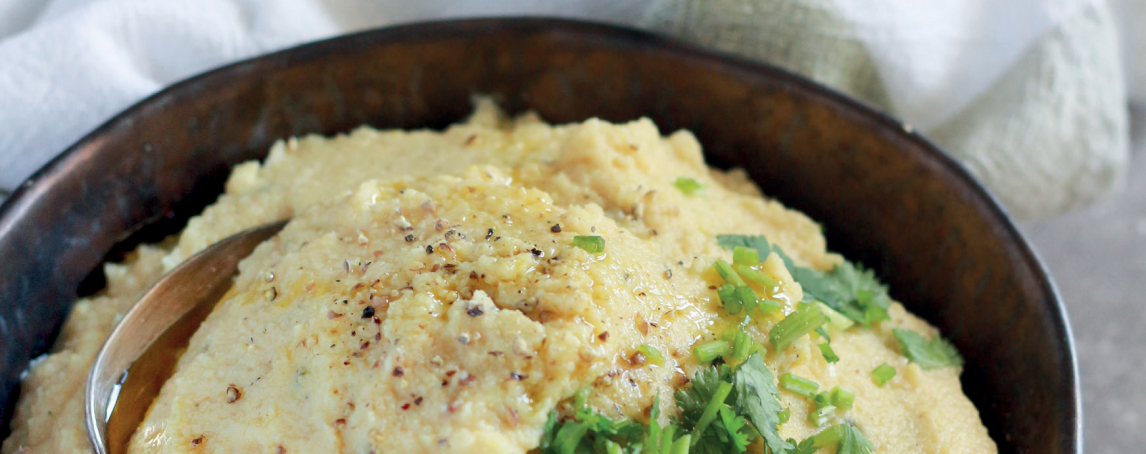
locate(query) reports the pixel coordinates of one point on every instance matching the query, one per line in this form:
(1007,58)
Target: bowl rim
(21,198)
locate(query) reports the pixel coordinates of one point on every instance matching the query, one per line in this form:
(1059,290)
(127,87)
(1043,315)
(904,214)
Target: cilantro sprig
(750,410)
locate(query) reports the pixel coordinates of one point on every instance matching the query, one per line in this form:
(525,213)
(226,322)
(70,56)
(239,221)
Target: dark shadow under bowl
(885,196)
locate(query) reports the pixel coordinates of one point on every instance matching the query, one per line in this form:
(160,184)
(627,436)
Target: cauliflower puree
(427,297)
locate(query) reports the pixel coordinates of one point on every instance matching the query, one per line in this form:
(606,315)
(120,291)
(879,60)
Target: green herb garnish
(727,294)
(756,276)
(688,186)
(842,398)
(882,374)
(706,353)
(651,354)
(828,354)
(821,416)
(799,385)
(848,288)
(757,398)
(849,437)
(795,325)
(592,244)
(928,354)
(745,256)
(725,271)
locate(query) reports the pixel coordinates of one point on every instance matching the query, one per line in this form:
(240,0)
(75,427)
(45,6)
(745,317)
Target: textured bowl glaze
(885,196)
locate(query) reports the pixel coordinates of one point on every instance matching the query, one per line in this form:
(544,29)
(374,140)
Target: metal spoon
(141,353)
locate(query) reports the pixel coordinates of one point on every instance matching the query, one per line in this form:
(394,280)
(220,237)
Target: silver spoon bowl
(141,353)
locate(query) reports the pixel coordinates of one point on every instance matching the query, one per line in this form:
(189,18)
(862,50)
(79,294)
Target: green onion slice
(706,353)
(882,374)
(799,385)
(652,355)
(842,398)
(688,186)
(757,276)
(795,325)
(745,256)
(725,271)
(828,353)
(593,244)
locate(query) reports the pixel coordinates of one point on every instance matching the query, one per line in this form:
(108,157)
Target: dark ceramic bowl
(885,196)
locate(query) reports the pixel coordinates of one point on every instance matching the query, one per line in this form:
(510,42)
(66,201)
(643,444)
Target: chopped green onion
(681,445)
(611,447)
(756,276)
(732,304)
(872,312)
(666,439)
(823,333)
(799,385)
(652,355)
(711,408)
(822,400)
(745,256)
(741,346)
(766,305)
(593,244)
(821,415)
(828,353)
(687,185)
(747,297)
(706,353)
(842,398)
(725,271)
(830,435)
(836,321)
(882,374)
(795,325)
(581,397)
(568,437)
(654,432)
(784,415)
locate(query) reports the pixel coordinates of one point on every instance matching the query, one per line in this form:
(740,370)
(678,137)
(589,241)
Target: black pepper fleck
(518,376)
(429,249)
(536,252)
(556,228)
(489,234)
(475,311)
(368,312)
(398,372)
(418,401)
(410,238)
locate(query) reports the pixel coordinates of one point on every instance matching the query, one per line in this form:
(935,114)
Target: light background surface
(1098,258)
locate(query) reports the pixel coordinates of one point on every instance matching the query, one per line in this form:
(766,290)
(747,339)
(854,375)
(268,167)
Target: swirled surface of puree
(429,295)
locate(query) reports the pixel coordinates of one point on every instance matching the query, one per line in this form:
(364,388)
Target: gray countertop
(1098,258)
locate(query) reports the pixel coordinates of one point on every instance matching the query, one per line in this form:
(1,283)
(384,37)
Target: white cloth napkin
(1030,94)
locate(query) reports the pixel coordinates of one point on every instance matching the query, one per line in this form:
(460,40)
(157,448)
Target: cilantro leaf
(734,425)
(695,397)
(847,288)
(852,441)
(933,354)
(589,431)
(808,446)
(757,242)
(755,395)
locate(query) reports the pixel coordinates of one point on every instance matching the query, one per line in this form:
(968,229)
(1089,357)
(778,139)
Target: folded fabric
(1029,94)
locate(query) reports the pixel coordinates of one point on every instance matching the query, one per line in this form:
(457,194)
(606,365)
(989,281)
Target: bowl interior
(885,196)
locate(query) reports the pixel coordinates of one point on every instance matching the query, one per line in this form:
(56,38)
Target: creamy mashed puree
(427,297)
